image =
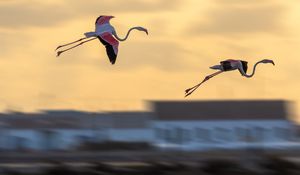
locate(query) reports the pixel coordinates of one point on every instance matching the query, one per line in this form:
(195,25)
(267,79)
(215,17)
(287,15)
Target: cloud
(123,6)
(40,14)
(234,20)
(162,55)
(16,15)
(12,41)
(239,2)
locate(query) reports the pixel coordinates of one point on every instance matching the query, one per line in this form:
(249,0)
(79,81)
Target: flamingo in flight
(107,35)
(229,65)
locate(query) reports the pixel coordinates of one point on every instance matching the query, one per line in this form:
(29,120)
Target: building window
(167,135)
(186,135)
(175,135)
(297,133)
(282,133)
(222,134)
(163,134)
(179,135)
(20,143)
(159,133)
(258,134)
(243,134)
(203,135)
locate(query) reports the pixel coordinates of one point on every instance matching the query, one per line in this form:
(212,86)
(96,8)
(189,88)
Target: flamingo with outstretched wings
(107,35)
(229,65)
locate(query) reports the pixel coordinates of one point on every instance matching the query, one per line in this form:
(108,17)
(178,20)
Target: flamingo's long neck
(253,71)
(123,39)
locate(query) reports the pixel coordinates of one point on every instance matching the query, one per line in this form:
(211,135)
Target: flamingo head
(103,19)
(142,29)
(268,61)
(218,67)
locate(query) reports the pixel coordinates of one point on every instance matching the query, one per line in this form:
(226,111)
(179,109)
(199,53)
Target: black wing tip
(112,58)
(109,51)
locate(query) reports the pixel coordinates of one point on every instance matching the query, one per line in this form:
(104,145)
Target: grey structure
(185,125)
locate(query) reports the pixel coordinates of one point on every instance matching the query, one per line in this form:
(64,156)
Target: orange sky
(185,38)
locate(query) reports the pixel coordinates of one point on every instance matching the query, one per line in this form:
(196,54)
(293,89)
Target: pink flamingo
(228,65)
(107,35)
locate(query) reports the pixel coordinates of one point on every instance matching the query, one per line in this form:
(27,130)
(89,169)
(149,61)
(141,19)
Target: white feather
(90,34)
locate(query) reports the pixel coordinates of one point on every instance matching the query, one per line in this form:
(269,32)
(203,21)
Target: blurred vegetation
(114,146)
(265,165)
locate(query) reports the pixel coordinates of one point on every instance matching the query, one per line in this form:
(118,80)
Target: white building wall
(134,135)
(13,138)
(70,138)
(38,140)
(222,133)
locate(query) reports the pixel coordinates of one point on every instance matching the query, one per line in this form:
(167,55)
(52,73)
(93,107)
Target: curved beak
(272,62)
(218,67)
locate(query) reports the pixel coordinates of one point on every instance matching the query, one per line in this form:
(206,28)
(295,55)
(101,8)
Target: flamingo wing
(111,45)
(226,65)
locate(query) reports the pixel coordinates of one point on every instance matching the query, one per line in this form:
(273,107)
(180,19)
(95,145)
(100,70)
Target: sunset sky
(185,38)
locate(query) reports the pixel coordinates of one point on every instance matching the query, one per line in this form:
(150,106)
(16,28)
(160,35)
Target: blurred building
(196,125)
(184,125)
(64,130)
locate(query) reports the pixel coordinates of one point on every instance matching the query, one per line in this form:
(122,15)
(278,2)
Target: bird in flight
(229,65)
(107,35)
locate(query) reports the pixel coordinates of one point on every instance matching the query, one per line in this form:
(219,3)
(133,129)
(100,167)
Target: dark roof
(75,120)
(223,110)
(133,120)
(64,113)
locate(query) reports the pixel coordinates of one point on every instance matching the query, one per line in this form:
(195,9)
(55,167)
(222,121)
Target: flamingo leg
(70,43)
(189,91)
(60,52)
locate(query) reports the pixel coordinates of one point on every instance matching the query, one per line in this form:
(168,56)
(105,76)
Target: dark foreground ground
(151,163)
